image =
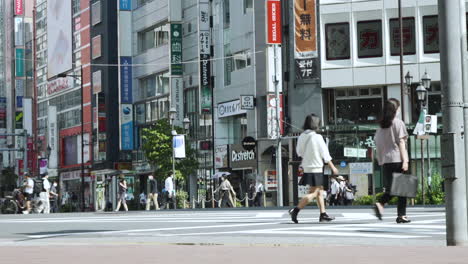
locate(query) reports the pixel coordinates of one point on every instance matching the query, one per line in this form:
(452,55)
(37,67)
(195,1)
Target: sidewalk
(226,254)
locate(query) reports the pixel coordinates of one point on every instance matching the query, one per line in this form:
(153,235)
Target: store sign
(59,85)
(19,31)
(19,144)
(361,168)
(305,31)
(97,82)
(272,121)
(52,140)
(204,43)
(19,120)
(274,69)
(204,27)
(205,87)
(127,127)
(19,7)
(176,49)
(230,109)
(274,22)
(247,102)
(70,175)
(125,5)
(221,156)
(271,181)
(249,143)
(241,158)
(126,80)
(19,63)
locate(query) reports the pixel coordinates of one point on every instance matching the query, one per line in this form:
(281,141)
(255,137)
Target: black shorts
(28,196)
(313,179)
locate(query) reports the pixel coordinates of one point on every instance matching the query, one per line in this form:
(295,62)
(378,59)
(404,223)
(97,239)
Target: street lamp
(408,82)
(64,75)
(426,81)
(186,124)
(421,93)
(172,117)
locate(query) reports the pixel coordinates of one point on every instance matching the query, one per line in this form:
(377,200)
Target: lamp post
(408,81)
(421,94)
(80,77)
(172,116)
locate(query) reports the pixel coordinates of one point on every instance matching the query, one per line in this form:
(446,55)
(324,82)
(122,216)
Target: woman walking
(314,152)
(390,140)
(122,193)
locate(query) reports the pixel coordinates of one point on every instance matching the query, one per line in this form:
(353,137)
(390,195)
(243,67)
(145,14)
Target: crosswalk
(228,225)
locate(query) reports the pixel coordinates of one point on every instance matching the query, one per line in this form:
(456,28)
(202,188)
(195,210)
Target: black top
(153,186)
(121,188)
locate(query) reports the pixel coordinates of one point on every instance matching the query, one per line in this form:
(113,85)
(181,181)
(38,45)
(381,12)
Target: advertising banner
(19,144)
(240,158)
(59,85)
(272,123)
(28,120)
(204,44)
(85,148)
(19,120)
(221,156)
(205,87)
(127,127)
(274,22)
(126,80)
(59,37)
(19,63)
(305,39)
(177,99)
(52,140)
(19,31)
(178,143)
(176,49)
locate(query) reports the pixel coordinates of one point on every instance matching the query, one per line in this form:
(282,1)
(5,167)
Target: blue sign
(343,164)
(125,5)
(127,127)
(126,80)
(19,101)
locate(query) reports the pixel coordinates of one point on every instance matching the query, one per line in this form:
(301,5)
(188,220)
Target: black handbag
(404,185)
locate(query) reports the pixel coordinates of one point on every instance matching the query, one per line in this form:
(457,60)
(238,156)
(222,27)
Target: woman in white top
(390,140)
(314,152)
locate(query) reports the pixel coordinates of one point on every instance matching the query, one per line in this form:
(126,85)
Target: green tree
(157,145)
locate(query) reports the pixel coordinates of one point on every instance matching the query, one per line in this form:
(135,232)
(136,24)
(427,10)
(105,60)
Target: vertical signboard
(127,126)
(19,8)
(272,121)
(19,144)
(176,49)
(27,120)
(3,112)
(19,31)
(204,44)
(52,140)
(59,37)
(126,80)
(274,22)
(177,99)
(305,39)
(178,143)
(125,5)
(19,63)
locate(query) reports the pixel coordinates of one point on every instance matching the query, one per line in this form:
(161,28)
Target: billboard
(204,45)
(127,127)
(126,80)
(178,143)
(59,37)
(305,39)
(19,63)
(274,22)
(177,99)
(52,140)
(176,49)
(19,7)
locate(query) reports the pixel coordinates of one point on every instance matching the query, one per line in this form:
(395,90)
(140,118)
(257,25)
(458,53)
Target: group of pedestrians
(391,139)
(42,192)
(341,192)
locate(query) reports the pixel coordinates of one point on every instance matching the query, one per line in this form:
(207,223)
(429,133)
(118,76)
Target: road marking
(363,216)
(270,215)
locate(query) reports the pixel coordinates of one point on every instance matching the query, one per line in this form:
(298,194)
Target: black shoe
(293,213)
(378,214)
(326,218)
(402,220)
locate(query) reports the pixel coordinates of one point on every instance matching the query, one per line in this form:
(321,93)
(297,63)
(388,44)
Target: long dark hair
(389,112)
(312,122)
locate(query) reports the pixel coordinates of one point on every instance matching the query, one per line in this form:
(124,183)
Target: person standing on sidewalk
(390,140)
(44,195)
(314,152)
(28,186)
(122,195)
(152,194)
(334,191)
(169,192)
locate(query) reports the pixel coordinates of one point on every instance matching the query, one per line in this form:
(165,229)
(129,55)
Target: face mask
(55,185)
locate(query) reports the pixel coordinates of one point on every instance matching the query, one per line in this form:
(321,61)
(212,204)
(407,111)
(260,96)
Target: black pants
(258,199)
(388,170)
(225,202)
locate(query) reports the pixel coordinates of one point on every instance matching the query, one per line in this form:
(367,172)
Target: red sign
(20,167)
(19,8)
(274,21)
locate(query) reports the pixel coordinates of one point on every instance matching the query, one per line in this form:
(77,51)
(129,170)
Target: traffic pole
(452,40)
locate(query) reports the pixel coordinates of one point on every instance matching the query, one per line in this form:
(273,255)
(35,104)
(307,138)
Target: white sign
(247,102)
(230,109)
(59,37)
(19,144)
(52,139)
(361,168)
(27,111)
(85,147)
(177,99)
(221,156)
(274,77)
(204,26)
(178,143)
(430,124)
(355,153)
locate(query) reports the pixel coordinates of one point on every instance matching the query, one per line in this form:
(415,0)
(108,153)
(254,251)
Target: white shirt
(313,150)
(30,183)
(259,187)
(46,184)
(169,184)
(335,187)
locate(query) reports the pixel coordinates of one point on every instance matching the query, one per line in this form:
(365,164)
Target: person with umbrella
(226,192)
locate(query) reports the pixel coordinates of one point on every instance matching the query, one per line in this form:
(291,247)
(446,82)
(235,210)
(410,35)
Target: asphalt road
(354,230)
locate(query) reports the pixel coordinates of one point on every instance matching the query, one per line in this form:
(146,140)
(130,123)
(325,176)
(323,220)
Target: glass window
(338,41)
(140,114)
(154,85)
(247,4)
(353,109)
(153,37)
(96,13)
(409,36)
(228,64)
(242,60)
(369,34)
(431,34)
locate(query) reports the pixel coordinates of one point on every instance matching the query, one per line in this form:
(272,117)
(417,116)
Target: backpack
(38,186)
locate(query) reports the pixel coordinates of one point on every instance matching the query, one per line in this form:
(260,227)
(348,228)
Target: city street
(247,232)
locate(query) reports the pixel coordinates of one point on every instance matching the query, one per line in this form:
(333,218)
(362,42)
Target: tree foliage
(157,145)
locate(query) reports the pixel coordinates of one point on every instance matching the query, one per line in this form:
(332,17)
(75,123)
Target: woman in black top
(122,193)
